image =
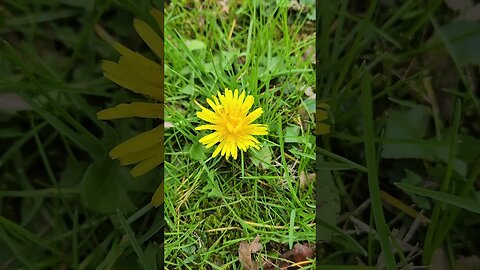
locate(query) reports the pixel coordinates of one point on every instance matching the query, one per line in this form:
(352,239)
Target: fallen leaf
(245,251)
(304,118)
(298,255)
(301,252)
(224,6)
(303,179)
(439,260)
(267,264)
(12,103)
(306,179)
(309,54)
(294,5)
(459,5)
(466,9)
(468,263)
(471,14)
(310,93)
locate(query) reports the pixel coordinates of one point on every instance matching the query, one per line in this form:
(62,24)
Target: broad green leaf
(464,39)
(328,206)
(262,157)
(409,123)
(468,148)
(310,104)
(193,45)
(102,190)
(291,134)
(197,151)
(213,190)
(188,89)
(404,132)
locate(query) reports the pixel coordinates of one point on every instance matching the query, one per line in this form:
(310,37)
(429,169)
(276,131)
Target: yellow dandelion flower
(320,115)
(232,124)
(143,76)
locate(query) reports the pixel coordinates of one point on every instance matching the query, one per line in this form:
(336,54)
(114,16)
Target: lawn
(213,204)
(400,167)
(371,159)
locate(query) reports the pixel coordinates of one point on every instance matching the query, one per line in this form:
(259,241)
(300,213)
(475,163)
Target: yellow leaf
(158,196)
(135,109)
(149,36)
(139,142)
(147,165)
(141,155)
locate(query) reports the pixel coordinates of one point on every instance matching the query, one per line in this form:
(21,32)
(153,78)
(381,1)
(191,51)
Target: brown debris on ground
(298,256)
(295,258)
(245,253)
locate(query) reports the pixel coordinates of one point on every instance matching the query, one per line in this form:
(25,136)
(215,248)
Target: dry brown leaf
(443,76)
(311,177)
(304,118)
(310,93)
(298,254)
(245,251)
(11,102)
(294,5)
(439,260)
(224,6)
(309,54)
(305,179)
(459,5)
(466,9)
(468,263)
(471,14)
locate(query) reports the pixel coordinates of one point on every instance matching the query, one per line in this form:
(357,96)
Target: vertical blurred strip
(162,171)
(326,194)
(317,172)
(159,196)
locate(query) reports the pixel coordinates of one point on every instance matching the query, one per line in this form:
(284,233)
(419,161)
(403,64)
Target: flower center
(233,124)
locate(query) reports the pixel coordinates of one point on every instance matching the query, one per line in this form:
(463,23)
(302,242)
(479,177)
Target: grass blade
(373,184)
(133,241)
(466,204)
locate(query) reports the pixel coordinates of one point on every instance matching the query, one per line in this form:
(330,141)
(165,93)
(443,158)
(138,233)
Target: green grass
(219,203)
(398,128)
(59,191)
(401,79)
